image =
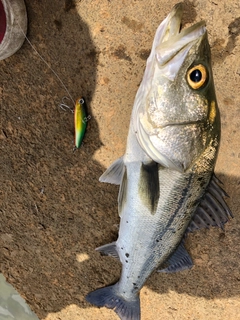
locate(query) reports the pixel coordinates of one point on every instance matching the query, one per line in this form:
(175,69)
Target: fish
(167,185)
(80,121)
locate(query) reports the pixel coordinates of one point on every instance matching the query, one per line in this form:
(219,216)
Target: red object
(3,22)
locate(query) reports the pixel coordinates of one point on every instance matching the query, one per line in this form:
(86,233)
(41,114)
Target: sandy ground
(54,212)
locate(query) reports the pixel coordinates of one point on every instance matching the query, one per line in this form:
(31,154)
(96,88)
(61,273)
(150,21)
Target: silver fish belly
(167,185)
(156,207)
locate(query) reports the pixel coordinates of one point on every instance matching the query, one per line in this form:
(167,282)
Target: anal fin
(180,260)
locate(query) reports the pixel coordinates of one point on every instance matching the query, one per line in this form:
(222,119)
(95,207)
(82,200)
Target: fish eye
(197,76)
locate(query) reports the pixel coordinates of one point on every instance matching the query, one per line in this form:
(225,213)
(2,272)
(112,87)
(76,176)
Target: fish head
(175,114)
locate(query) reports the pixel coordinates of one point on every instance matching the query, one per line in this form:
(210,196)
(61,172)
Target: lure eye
(81,101)
(197,76)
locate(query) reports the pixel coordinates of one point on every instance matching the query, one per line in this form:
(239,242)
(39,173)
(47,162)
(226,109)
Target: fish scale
(173,215)
(166,179)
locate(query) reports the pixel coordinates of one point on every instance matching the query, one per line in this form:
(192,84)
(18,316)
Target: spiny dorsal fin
(212,210)
(180,260)
(114,173)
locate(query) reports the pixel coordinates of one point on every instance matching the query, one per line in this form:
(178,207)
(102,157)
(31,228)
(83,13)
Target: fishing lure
(80,121)
(80,117)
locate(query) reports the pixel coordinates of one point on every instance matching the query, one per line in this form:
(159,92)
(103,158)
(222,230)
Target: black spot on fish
(126,261)
(135,287)
(202,184)
(149,185)
(127,255)
(184,192)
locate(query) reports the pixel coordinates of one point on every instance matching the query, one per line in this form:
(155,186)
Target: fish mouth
(170,47)
(183,123)
(173,44)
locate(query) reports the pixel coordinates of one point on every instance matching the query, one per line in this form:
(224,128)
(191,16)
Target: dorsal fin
(114,172)
(212,210)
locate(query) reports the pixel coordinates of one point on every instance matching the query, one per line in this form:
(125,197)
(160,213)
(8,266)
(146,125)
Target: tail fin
(107,297)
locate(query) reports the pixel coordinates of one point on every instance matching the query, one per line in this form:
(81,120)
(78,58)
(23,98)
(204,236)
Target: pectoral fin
(114,173)
(180,260)
(122,194)
(212,210)
(148,187)
(109,249)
